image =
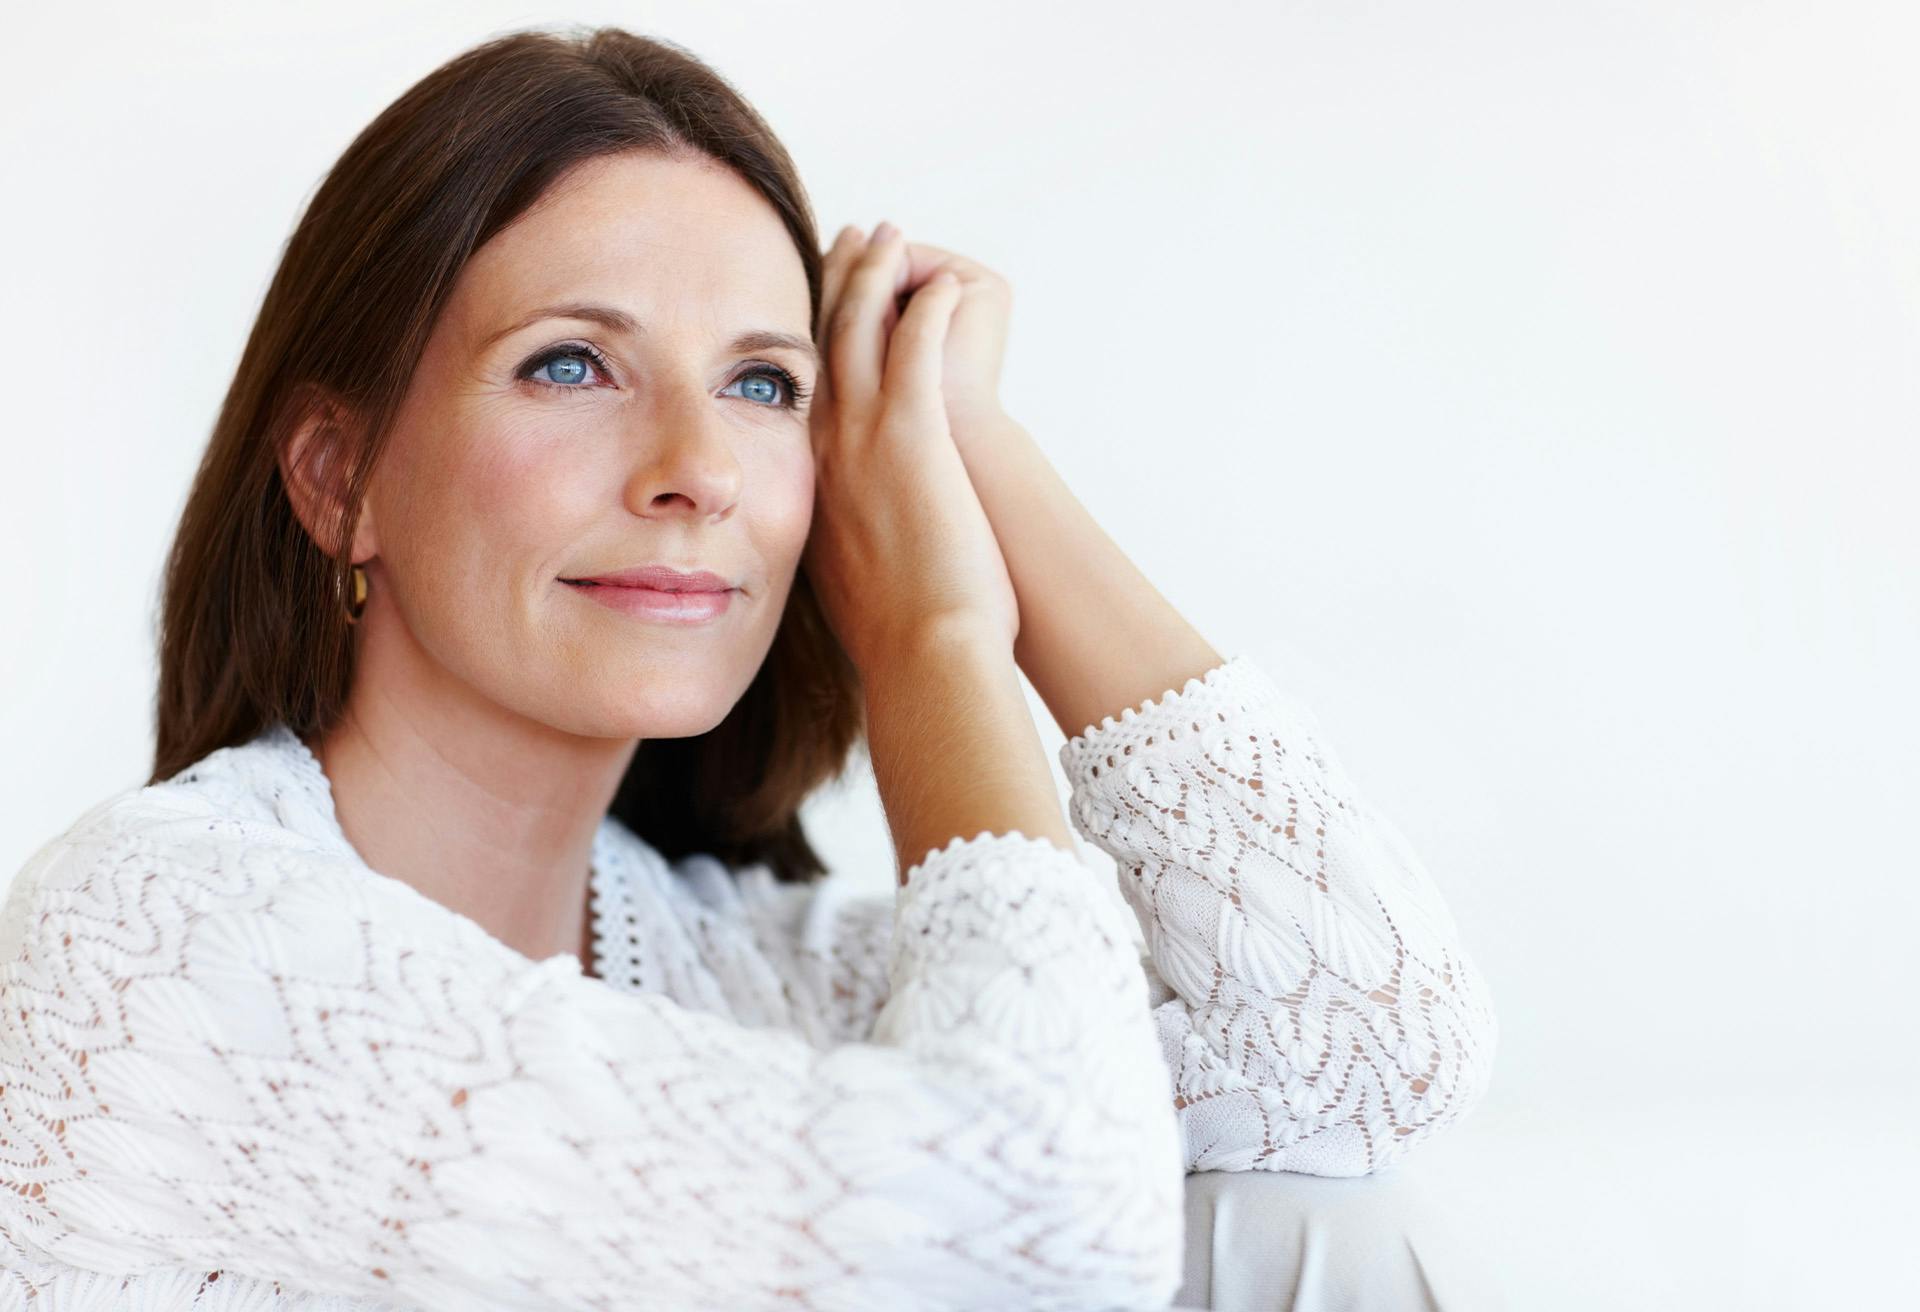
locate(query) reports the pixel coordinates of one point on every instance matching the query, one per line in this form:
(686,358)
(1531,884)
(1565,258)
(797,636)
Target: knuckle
(891,420)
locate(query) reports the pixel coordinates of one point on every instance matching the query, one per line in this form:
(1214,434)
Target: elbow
(1460,1081)
(1477,1027)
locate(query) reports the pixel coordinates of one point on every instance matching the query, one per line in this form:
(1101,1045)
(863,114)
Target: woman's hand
(899,544)
(976,338)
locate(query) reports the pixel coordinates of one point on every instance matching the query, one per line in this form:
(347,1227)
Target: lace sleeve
(223,1049)
(1312,997)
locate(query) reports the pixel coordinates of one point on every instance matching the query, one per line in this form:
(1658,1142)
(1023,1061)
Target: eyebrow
(619,321)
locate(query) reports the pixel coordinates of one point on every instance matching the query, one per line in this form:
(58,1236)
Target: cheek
(789,478)
(486,501)
(525,488)
(784,512)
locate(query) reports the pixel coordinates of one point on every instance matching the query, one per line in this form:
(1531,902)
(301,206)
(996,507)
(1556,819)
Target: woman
(464,947)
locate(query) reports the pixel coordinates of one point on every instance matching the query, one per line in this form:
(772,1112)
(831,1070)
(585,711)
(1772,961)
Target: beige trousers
(1279,1241)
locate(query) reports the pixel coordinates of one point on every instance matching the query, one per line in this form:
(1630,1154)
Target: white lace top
(239,1069)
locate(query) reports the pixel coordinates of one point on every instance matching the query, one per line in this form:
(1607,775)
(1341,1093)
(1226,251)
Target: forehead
(674,242)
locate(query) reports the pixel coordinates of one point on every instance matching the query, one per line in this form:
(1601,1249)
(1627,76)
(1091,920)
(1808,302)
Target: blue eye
(772,374)
(567,362)
(569,365)
(573,369)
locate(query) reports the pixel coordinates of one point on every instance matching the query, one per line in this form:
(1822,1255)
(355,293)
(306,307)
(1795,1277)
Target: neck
(480,808)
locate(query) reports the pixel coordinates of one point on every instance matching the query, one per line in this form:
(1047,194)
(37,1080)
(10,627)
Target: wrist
(978,417)
(905,665)
(943,639)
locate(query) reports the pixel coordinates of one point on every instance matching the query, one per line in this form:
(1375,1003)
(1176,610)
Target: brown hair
(253,626)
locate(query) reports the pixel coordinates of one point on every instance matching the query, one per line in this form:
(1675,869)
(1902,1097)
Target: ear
(315,461)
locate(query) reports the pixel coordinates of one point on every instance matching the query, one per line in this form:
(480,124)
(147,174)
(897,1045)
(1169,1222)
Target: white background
(1533,389)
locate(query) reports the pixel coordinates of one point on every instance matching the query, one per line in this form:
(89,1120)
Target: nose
(686,466)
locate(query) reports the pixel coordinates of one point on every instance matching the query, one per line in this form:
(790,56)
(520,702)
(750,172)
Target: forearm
(954,748)
(1095,635)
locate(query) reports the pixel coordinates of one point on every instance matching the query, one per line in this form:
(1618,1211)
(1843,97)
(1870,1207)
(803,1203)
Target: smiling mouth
(657,605)
(646,587)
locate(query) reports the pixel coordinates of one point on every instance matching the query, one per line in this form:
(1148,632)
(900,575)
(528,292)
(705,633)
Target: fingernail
(884,230)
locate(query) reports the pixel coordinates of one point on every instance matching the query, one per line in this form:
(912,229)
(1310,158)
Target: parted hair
(252,623)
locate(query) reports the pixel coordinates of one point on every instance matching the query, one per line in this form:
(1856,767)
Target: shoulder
(264,792)
(236,824)
(233,873)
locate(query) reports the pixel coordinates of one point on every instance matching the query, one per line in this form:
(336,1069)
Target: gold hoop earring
(358,605)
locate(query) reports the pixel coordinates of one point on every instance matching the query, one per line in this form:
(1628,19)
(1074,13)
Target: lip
(654,604)
(659,578)
(660,594)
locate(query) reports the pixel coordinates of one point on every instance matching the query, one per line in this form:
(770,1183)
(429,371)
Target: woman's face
(586,405)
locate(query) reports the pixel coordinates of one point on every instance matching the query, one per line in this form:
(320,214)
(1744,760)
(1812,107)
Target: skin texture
(900,542)
(1095,635)
(494,708)
(954,748)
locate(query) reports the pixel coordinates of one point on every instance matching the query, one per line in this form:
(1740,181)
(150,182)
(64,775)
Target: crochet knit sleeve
(1313,1000)
(223,1050)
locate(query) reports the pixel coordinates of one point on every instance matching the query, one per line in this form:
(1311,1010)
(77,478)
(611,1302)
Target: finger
(915,354)
(833,274)
(923,261)
(902,288)
(857,345)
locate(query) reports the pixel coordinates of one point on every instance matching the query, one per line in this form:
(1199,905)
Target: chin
(664,712)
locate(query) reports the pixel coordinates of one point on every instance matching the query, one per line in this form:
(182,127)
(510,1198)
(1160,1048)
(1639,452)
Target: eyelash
(797,391)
